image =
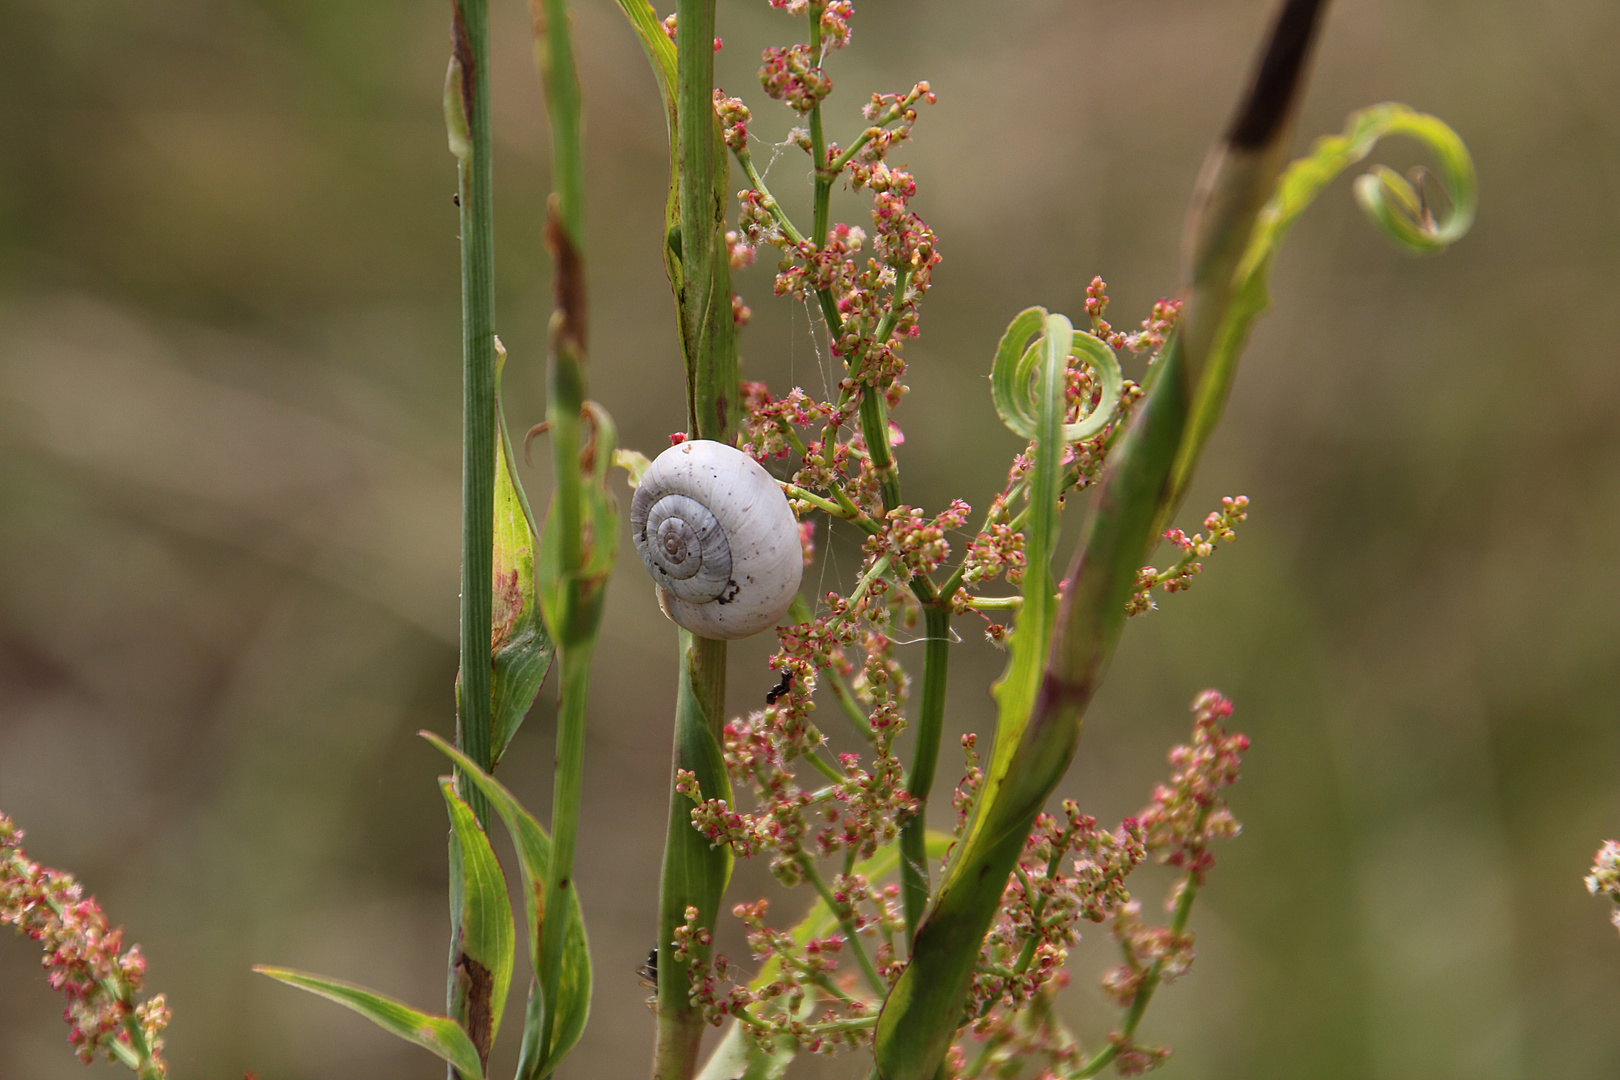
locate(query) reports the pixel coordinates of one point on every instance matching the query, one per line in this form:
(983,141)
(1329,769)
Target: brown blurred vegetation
(228,503)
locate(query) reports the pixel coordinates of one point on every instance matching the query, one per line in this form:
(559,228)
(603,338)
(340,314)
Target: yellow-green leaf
(439,1035)
(484,938)
(534,861)
(521,649)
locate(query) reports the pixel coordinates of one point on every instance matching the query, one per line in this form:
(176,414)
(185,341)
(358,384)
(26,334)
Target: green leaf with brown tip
(521,648)
(573,996)
(483,937)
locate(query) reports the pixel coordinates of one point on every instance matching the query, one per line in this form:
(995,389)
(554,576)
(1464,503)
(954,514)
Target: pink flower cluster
(1188,813)
(919,543)
(84,956)
(999,546)
(768,422)
(779,1006)
(669,30)
(900,110)
(832,15)
(1604,880)
(1155,328)
(1042,906)
(867,283)
(734,117)
(794,76)
(1220,527)
(1070,871)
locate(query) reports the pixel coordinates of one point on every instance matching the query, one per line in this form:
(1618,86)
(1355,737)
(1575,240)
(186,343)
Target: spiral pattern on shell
(719,539)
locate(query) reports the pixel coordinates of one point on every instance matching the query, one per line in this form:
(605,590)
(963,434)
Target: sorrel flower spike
(84,961)
(1244,204)
(924,1009)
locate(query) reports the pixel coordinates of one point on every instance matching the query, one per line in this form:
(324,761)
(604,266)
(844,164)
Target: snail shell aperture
(719,539)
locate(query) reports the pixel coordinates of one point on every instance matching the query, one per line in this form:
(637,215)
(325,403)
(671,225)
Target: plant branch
(818,140)
(1144,993)
(846,921)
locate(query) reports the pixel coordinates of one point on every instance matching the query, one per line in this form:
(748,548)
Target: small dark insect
(780,688)
(649,976)
(455,197)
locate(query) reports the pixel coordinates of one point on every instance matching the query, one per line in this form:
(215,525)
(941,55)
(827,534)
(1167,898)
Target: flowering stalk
(83,961)
(1087,425)
(796,76)
(923,1012)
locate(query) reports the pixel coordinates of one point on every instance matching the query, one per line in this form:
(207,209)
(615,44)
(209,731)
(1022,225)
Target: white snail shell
(719,539)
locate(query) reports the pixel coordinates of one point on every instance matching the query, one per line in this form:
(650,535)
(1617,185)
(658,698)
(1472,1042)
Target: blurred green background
(229,407)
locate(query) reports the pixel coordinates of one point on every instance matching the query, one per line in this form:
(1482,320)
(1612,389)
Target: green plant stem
(996,603)
(853,1023)
(818,140)
(799,612)
(578,608)
(819,763)
(957,576)
(137,1055)
(469,108)
(707,326)
(851,707)
(694,874)
(466,110)
(1037,900)
(862,587)
(767,200)
(565,800)
(888,116)
(826,506)
(914,884)
(554,56)
(875,409)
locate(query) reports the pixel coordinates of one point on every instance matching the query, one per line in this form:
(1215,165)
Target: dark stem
(930,724)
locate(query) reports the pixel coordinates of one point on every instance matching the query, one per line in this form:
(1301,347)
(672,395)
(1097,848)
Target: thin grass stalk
(576,673)
(467,113)
(467,118)
(566,400)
